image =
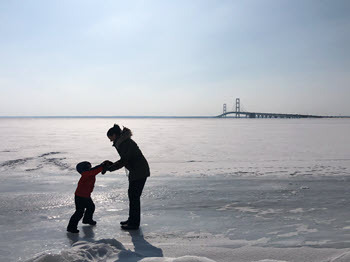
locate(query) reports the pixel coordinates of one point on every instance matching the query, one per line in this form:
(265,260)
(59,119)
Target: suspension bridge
(238,113)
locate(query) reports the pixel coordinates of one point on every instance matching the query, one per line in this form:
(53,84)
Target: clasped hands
(105,166)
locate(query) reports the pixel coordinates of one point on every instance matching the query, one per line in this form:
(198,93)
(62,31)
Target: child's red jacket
(87,182)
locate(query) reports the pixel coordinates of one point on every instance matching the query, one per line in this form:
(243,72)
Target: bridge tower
(224,110)
(238,107)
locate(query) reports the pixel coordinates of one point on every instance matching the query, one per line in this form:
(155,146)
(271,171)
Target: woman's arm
(117,165)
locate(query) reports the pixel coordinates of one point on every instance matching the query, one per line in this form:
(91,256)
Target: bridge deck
(268,115)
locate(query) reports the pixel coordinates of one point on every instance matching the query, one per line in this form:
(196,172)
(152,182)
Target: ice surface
(221,189)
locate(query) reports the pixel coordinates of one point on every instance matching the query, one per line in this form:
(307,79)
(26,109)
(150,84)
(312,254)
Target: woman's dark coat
(131,157)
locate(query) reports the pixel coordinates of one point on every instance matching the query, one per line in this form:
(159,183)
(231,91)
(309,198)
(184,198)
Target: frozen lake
(220,189)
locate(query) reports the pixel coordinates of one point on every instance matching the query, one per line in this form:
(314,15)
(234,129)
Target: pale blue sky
(174,57)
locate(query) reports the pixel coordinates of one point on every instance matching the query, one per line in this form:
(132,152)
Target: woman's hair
(115,130)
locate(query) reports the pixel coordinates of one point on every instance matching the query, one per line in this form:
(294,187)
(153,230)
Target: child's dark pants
(134,193)
(82,203)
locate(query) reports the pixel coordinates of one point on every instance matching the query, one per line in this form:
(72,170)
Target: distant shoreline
(147,117)
(157,117)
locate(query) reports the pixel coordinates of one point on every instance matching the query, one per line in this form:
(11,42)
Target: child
(83,201)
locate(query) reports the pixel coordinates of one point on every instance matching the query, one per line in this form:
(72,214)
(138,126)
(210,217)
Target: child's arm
(93,171)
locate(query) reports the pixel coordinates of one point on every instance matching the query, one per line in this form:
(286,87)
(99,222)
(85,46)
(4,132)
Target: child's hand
(105,165)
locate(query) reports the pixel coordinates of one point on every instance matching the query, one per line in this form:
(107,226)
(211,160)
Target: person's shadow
(142,247)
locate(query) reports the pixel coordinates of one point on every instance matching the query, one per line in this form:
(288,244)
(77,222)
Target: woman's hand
(105,165)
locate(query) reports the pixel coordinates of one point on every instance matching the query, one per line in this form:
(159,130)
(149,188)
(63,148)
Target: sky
(173,58)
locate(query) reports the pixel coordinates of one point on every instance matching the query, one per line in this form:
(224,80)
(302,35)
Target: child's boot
(73,225)
(72,229)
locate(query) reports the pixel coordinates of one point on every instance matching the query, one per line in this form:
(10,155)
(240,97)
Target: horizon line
(107,116)
(340,116)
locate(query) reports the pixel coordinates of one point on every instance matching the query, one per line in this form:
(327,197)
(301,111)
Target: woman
(133,160)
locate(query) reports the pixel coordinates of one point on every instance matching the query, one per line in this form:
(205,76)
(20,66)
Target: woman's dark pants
(134,193)
(82,204)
